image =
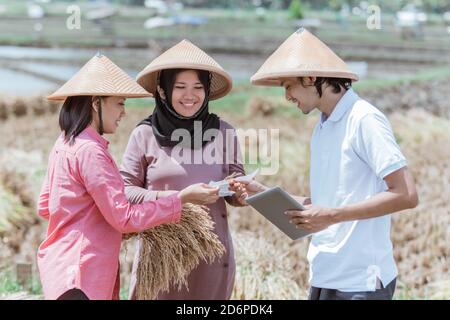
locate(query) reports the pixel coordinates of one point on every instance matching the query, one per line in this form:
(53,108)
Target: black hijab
(165,119)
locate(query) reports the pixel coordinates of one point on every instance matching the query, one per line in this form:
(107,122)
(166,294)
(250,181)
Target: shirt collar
(93,134)
(344,104)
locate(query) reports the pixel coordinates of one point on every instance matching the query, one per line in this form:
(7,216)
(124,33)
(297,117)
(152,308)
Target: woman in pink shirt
(83,194)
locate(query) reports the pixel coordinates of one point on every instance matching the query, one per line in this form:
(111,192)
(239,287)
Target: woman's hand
(199,193)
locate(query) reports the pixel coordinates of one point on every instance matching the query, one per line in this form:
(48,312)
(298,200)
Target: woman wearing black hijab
(180,143)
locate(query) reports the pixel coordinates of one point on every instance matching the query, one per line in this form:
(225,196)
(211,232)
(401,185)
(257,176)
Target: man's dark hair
(336,83)
(75,116)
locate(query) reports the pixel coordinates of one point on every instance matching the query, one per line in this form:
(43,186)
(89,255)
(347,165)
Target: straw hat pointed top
(301,55)
(186,55)
(100,77)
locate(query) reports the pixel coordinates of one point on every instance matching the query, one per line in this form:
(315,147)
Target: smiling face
(304,95)
(188,93)
(113,110)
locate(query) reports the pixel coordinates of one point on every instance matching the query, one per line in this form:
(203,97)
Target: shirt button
(225,265)
(224,216)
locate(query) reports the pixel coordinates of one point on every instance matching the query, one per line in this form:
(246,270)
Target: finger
(304,226)
(234,174)
(206,186)
(293,213)
(237,185)
(209,201)
(298,221)
(213,190)
(301,222)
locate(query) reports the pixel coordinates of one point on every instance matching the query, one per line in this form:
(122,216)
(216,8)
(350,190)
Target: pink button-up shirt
(83,198)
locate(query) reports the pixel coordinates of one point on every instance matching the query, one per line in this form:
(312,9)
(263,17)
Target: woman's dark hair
(75,116)
(336,83)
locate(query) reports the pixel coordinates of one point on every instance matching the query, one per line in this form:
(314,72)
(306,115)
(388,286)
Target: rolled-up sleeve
(133,172)
(105,185)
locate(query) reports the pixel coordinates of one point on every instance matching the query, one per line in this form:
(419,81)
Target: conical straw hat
(301,55)
(186,55)
(100,77)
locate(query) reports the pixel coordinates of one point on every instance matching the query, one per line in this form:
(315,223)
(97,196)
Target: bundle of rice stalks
(53,106)
(22,173)
(19,107)
(20,181)
(18,185)
(261,106)
(170,252)
(3,111)
(12,212)
(39,105)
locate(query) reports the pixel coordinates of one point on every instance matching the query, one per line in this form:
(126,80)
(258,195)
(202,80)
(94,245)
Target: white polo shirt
(351,152)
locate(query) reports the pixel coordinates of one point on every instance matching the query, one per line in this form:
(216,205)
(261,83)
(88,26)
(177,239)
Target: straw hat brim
(221,82)
(100,77)
(97,93)
(275,79)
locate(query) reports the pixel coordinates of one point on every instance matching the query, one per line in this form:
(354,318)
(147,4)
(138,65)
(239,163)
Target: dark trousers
(73,294)
(385,293)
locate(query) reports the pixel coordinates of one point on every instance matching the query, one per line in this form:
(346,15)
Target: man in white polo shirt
(358,174)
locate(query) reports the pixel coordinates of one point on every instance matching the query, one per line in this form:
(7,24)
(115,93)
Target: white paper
(248,177)
(223,185)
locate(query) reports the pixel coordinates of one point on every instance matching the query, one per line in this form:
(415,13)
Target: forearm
(379,205)
(139,217)
(137,194)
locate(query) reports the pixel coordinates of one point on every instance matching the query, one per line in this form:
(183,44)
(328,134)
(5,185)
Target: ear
(161,92)
(95,103)
(311,80)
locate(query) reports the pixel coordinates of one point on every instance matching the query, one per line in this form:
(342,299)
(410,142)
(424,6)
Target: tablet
(272,204)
